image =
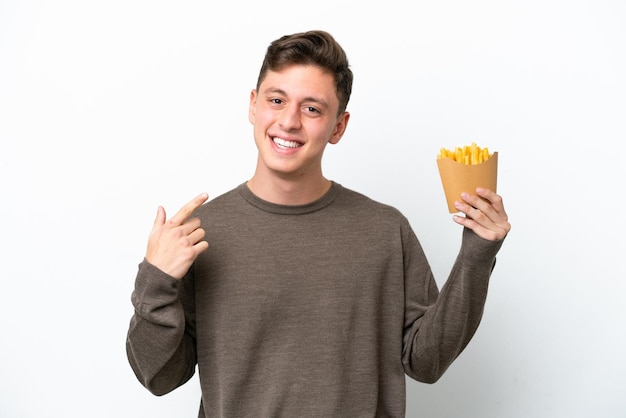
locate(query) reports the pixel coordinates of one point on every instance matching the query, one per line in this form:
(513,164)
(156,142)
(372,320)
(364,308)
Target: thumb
(160,217)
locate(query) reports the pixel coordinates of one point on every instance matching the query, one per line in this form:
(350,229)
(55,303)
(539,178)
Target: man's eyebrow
(320,102)
(275,90)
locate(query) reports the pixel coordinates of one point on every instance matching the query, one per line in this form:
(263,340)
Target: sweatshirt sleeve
(439,325)
(160,343)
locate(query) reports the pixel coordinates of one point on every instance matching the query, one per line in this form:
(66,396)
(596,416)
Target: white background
(110,108)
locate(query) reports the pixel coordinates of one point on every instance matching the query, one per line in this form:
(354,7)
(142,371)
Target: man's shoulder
(361,201)
(224,202)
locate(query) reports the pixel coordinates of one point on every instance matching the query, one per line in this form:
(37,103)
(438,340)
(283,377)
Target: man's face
(294,113)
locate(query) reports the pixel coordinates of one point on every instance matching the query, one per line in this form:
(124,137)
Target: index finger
(188,209)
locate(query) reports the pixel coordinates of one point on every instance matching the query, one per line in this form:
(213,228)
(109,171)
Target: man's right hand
(174,244)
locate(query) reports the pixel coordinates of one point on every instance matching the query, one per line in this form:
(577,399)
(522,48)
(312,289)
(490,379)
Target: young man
(307,299)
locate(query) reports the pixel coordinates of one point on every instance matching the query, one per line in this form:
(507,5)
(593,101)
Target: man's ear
(252,107)
(340,128)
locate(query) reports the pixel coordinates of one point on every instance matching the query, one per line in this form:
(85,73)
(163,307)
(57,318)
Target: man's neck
(284,191)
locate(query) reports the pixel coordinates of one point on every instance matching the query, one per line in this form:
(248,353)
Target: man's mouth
(283,143)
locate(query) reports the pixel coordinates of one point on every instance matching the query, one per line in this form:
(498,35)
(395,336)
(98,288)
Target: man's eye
(276,101)
(311,109)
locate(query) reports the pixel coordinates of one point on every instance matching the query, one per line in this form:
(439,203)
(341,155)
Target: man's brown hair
(316,48)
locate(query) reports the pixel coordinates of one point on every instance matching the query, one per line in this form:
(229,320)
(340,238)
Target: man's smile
(283,143)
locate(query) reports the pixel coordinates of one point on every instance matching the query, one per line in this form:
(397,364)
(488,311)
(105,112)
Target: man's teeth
(285,144)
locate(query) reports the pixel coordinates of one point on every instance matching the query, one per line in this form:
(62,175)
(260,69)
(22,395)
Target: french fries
(467,154)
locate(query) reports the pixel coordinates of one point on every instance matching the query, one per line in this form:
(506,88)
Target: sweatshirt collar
(322,202)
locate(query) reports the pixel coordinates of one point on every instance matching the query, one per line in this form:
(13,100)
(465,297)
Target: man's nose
(290,118)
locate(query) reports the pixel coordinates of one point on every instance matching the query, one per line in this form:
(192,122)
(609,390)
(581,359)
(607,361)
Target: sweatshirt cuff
(477,248)
(153,287)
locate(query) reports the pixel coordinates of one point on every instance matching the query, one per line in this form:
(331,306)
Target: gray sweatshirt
(316,310)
